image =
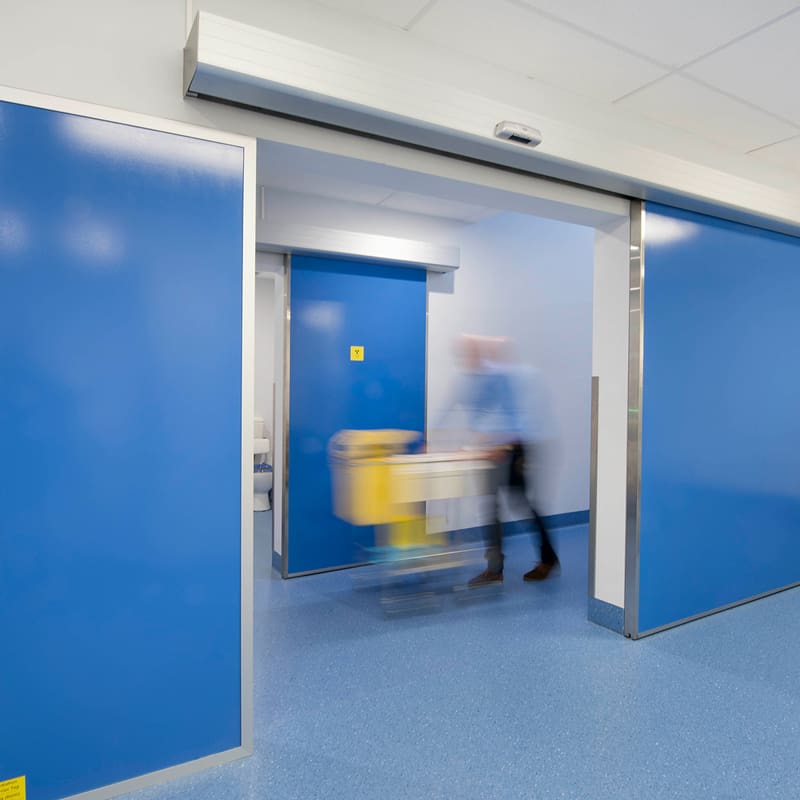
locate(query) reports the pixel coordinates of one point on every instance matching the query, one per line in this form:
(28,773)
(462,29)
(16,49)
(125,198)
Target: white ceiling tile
(672,32)
(395,12)
(763,68)
(436,207)
(525,42)
(684,104)
(783,154)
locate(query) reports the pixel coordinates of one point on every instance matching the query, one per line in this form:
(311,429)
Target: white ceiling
(725,72)
(302,171)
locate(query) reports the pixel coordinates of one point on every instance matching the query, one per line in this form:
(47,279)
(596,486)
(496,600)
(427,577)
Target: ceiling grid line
(740,38)
(588,32)
(739,99)
(384,199)
(644,86)
(419,15)
(772,144)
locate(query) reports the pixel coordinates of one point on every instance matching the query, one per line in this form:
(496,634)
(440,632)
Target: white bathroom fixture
(262,471)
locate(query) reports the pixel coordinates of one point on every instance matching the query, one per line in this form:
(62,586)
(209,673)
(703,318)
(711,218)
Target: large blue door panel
(720,495)
(337,304)
(120,412)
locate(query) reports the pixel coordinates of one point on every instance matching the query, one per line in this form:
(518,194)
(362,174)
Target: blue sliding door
(120,413)
(720,492)
(336,305)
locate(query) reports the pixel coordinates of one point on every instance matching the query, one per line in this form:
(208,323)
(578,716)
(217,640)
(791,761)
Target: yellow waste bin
(361,475)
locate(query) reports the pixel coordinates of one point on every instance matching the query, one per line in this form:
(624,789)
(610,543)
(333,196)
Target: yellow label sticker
(357,353)
(13,789)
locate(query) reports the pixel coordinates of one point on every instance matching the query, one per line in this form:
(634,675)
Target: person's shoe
(485,578)
(541,571)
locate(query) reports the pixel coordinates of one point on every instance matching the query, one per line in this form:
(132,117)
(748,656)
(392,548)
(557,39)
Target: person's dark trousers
(494,532)
(511,472)
(517,483)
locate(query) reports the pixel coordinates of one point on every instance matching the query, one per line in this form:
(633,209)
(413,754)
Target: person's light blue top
(535,414)
(487,398)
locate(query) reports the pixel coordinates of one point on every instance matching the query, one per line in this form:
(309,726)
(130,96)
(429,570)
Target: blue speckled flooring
(513,695)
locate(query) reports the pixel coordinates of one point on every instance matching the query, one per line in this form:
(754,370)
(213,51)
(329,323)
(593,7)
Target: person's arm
(505,428)
(510,430)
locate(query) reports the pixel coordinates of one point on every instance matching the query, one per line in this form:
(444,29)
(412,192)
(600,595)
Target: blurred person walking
(534,428)
(494,395)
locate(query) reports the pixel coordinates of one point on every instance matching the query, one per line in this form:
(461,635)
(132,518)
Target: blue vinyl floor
(510,695)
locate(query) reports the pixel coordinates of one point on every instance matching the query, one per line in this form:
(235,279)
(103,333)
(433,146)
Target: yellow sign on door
(357,353)
(13,789)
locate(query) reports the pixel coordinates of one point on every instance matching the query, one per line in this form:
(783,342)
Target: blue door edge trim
(606,614)
(711,611)
(161,776)
(322,571)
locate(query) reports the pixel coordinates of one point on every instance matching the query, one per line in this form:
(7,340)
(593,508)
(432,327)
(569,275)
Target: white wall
(610,364)
(269,366)
(265,352)
(529,279)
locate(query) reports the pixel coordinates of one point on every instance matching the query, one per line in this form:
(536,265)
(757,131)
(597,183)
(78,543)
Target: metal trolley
(378,482)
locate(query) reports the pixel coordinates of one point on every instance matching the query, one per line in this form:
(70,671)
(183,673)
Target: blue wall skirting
(520,526)
(606,614)
(567,519)
(277,562)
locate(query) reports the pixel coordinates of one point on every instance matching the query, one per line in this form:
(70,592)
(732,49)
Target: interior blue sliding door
(720,495)
(335,305)
(120,412)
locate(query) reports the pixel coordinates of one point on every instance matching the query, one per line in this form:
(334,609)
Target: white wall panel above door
(325,186)
(436,207)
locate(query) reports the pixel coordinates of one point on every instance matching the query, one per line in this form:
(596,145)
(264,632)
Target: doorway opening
(544,269)
(543,265)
